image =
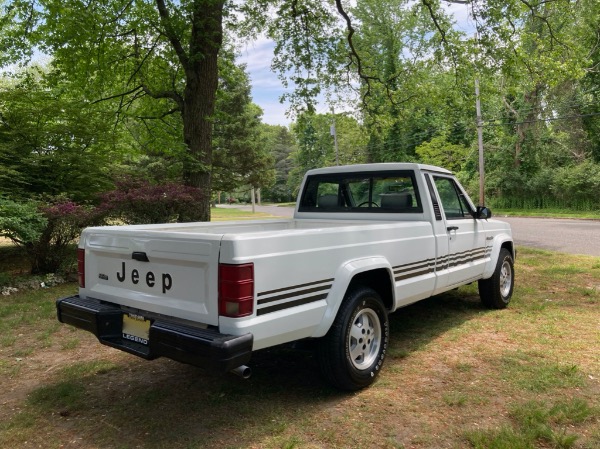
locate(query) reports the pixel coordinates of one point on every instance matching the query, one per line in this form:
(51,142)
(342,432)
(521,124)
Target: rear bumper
(205,348)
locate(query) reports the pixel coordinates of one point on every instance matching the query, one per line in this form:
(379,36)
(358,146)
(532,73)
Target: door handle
(452,228)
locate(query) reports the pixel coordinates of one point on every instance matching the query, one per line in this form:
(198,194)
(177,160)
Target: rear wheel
(353,351)
(496,292)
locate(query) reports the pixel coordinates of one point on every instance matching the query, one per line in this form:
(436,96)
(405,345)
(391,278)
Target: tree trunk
(202,77)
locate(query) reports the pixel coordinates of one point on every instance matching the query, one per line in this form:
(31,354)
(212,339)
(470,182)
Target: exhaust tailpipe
(243,371)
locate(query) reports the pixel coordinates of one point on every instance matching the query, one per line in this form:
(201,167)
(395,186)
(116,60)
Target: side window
(454,203)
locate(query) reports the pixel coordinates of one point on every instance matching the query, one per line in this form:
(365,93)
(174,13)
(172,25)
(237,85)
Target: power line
(549,119)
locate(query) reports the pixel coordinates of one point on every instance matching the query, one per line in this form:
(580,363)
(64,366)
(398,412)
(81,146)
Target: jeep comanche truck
(365,241)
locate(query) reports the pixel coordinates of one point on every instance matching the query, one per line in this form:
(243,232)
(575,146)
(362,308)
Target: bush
(47,231)
(21,222)
(139,202)
(578,186)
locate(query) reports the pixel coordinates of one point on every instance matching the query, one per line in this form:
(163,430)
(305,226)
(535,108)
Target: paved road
(564,235)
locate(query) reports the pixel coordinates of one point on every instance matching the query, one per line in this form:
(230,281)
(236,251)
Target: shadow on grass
(166,404)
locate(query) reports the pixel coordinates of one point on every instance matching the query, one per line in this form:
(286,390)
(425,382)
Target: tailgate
(175,276)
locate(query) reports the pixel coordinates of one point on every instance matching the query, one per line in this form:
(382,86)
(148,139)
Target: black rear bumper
(205,348)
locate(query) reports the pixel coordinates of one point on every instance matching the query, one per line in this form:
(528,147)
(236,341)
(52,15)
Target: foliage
(281,145)
(119,53)
(240,155)
(316,145)
(140,202)
(154,87)
(23,223)
(45,230)
(66,220)
(44,133)
(577,185)
(438,151)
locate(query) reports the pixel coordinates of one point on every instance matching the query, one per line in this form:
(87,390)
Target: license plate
(136,328)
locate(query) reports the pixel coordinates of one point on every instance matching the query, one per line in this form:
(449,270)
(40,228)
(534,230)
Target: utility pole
(480,144)
(479,139)
(333,132)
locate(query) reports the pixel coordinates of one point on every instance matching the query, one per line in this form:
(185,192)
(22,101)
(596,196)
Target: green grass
(222,214)
(457,376)
(59,397)
(533,371)
(538,424)
(547,213)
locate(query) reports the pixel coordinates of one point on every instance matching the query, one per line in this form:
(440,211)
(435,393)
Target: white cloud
(257,54)
(462,16)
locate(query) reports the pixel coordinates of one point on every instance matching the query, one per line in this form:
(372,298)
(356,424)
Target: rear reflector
(81,267)
(236,290)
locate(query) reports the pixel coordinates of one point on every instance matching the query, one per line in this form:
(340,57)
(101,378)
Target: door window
(454,202)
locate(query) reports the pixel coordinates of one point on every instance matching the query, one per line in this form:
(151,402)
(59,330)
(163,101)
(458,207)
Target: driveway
(563,235)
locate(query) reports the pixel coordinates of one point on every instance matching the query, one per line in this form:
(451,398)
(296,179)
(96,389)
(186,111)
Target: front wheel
(352,353)
(496,292)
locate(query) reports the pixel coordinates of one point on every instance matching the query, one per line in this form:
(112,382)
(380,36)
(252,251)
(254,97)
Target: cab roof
(387,166)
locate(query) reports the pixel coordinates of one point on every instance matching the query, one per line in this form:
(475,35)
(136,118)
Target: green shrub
(22,223)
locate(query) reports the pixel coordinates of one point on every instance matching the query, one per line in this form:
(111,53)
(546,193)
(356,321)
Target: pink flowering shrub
(139,202)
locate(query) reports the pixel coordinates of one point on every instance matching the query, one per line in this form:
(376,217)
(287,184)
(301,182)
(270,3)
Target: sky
(267,88)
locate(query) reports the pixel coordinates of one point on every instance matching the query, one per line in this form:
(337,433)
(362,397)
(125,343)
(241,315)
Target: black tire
(496,292)
(352,353)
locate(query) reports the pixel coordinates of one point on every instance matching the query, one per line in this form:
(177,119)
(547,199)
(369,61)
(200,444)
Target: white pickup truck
(365,241)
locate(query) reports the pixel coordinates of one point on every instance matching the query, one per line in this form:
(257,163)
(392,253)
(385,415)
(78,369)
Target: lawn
(456,376)
(548,213)
(222,214)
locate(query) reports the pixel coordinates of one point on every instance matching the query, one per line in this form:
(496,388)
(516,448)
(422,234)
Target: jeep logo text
(166,281)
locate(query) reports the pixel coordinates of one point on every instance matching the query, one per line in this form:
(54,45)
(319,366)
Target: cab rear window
(389,192)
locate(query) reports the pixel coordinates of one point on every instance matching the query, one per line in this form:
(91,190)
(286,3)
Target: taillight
(81,267)
(236,290)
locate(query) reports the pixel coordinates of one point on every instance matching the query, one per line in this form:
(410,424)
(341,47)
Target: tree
(438,151)
(314,146)
(129,50)
(241,156)
(281,145)
(51,143)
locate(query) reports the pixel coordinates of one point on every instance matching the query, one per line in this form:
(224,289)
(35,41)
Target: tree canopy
(153,86)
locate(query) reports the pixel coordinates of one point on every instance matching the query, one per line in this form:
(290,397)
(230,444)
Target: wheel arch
(500,241)
(379,280)
(372,272)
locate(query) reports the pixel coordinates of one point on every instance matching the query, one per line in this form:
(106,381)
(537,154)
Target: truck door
(466,235)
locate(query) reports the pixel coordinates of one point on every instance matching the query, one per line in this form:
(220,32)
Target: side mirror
(483,213)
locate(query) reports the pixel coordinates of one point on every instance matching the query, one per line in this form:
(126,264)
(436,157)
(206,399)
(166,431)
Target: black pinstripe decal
(285,305)
(275,302)
(291,287)
(410,270)
(291,295)
(269,301)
